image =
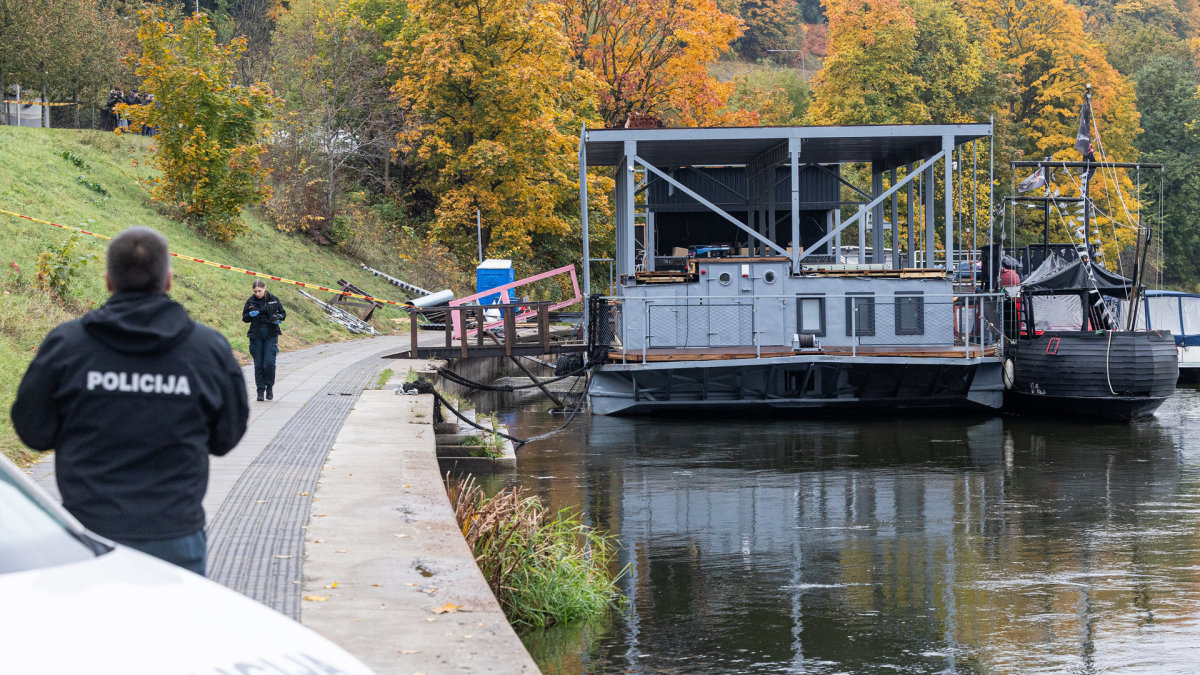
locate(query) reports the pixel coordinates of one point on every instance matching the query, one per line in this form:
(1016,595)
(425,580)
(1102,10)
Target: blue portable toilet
(492,273)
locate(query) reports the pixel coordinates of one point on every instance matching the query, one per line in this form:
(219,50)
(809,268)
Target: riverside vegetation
(545,568)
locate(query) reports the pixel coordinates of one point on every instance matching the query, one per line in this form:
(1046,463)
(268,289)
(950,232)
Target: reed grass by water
(544,567)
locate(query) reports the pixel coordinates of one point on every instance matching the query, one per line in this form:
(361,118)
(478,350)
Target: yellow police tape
(231,268)
(48,105)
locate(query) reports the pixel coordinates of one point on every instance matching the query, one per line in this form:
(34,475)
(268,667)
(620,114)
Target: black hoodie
(134,396)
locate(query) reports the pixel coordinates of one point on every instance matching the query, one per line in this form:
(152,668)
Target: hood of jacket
(139,323)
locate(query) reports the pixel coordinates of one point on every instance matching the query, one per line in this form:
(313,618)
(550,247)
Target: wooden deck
(733,353)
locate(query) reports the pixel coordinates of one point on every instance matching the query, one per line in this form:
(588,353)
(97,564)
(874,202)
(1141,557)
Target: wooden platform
(733,353)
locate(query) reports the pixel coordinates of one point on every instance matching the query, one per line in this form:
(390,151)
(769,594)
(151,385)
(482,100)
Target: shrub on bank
(544,568)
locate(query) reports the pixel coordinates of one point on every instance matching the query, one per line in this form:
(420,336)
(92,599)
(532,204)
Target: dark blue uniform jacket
(133,396)
(265,324)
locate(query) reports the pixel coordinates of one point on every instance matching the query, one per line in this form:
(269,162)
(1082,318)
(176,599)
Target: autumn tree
(896,61)
(339,119)
(1049,57)
(769,24)
(653,57)
(868,77)
(492,98)
(210,130)
(64,49)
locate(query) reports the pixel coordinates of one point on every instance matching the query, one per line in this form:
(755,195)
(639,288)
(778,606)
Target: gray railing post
(853,326)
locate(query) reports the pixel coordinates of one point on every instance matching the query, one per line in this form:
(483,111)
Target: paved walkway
(262,494)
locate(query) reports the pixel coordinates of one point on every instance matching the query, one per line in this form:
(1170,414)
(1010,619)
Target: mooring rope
(440,399)
(459,379)
(518,442)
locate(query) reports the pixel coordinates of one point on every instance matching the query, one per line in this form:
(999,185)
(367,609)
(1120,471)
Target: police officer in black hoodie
(264,313)
(135,396)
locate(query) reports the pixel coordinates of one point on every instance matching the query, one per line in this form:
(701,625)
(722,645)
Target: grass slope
(36,181)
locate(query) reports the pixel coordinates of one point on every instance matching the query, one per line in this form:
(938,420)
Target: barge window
(1191,314)
(1164,314)
(1057,312)
(810,314)
(910,313)
(860,313)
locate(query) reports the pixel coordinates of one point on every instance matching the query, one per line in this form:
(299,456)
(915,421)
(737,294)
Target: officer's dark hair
(138,261)
(258,283)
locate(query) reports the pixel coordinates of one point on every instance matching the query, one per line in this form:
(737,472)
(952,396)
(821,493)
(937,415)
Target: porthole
(724,278)
(769,276)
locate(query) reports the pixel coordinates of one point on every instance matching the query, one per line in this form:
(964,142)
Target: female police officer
(264,313)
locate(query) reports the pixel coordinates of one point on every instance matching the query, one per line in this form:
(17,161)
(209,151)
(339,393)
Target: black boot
(270,393)
(260,394)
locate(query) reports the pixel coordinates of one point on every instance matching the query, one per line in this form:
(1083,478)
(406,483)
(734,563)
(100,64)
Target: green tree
(1167,87)
(210,130)
(492,98)
(778,95)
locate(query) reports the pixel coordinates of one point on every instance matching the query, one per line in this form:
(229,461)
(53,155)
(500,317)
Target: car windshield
(32,537)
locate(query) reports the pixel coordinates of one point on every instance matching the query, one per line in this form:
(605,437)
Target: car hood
(125,612)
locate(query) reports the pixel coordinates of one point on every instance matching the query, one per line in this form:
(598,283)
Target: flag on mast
(1083,137)
(1035,180)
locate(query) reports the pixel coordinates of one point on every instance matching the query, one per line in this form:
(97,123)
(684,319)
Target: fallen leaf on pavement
(446,608)
(316,598)
(333,585)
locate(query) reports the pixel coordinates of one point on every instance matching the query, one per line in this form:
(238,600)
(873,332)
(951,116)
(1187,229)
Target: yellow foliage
(210,131)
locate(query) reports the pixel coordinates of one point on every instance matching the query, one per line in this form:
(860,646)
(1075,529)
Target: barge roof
(880,144)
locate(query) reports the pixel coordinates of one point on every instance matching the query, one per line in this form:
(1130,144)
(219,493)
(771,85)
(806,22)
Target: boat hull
(1115,375)
(797,384)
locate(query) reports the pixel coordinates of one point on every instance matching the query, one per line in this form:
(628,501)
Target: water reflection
(910,545)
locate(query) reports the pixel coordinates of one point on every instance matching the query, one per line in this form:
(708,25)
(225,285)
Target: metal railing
(966,324)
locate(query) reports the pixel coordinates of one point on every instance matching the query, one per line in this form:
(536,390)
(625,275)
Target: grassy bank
(98,186)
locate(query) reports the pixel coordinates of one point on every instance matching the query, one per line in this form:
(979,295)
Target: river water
(867,544)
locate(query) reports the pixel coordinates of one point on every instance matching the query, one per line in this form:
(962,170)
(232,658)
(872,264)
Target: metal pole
(991,238)
(479,235)
(583,219)
(1087,187)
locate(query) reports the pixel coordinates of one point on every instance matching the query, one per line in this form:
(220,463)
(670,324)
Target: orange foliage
(653,56)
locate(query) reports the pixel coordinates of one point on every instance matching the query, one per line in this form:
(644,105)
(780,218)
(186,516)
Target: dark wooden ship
(1071,354)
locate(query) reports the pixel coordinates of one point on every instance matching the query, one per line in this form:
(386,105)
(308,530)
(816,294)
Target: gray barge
(792,268)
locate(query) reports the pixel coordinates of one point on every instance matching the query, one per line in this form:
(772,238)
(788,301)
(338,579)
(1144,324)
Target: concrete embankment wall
(387,573)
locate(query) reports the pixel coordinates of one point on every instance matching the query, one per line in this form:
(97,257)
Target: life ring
(1008,374)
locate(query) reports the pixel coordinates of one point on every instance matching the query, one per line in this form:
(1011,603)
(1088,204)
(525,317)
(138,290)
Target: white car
(73,602)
